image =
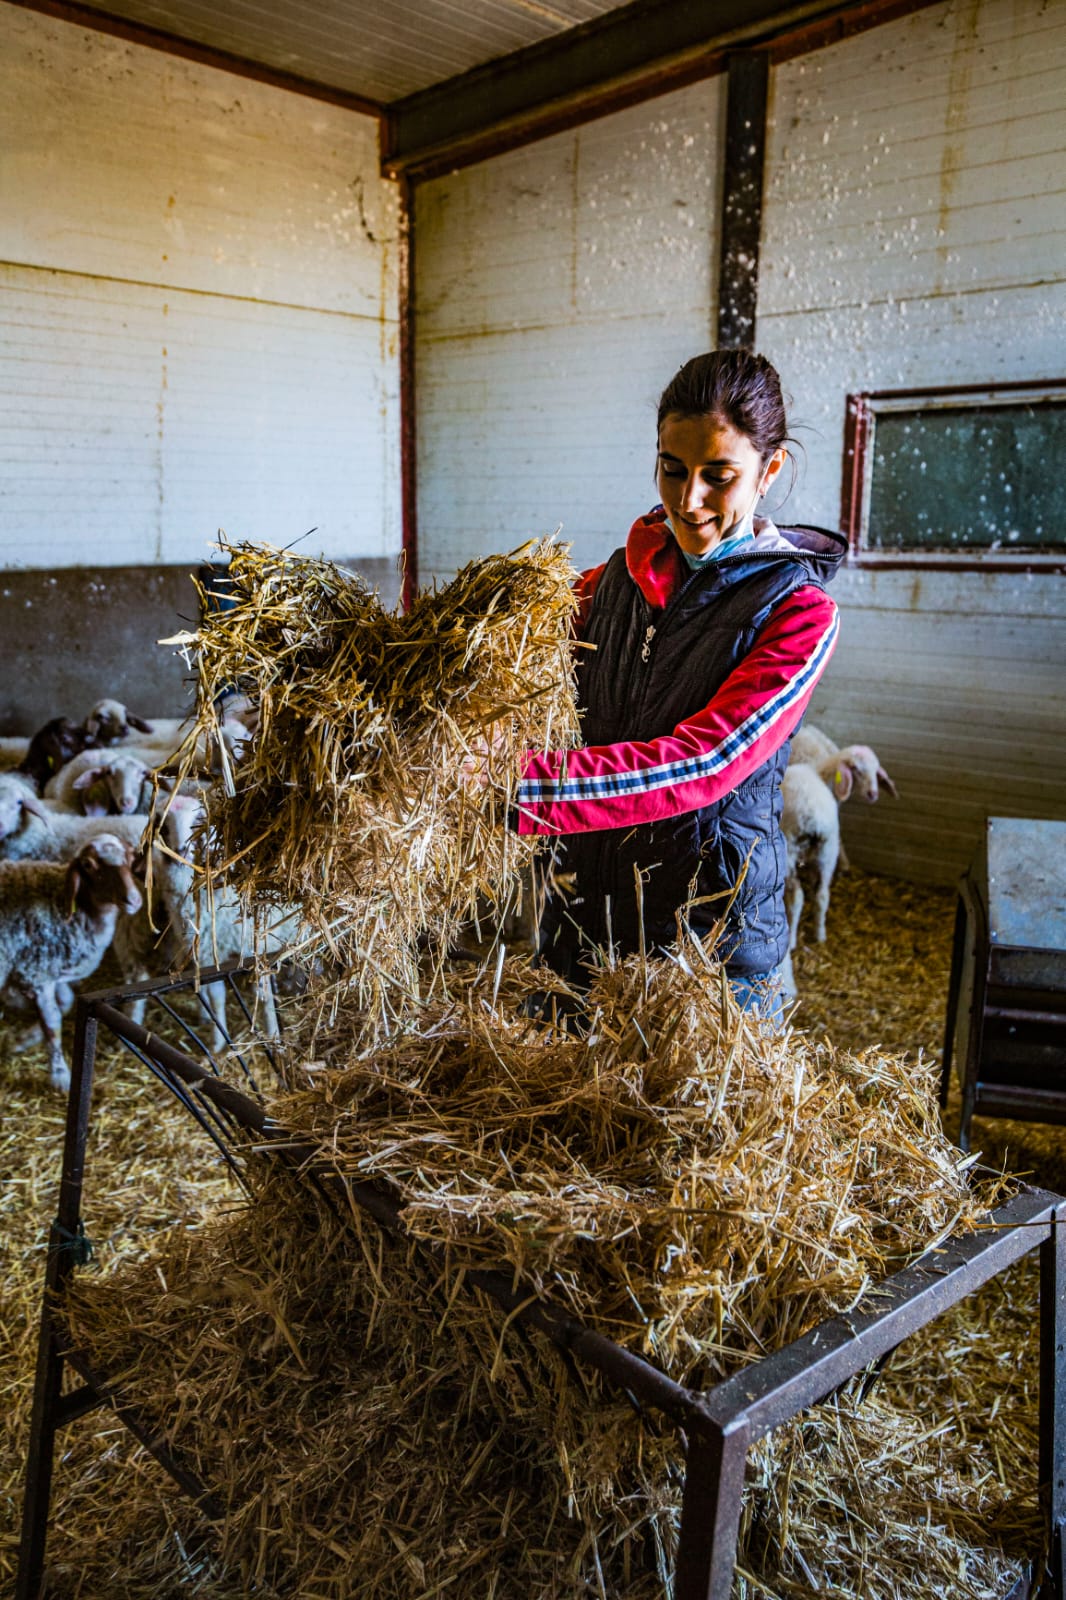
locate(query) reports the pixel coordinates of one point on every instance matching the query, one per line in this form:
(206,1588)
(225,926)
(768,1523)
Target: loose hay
(352,801)
(919,1509)
(698,1189)
(701,1202)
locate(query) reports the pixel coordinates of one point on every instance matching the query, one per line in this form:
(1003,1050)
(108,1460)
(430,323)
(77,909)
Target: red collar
(653,559)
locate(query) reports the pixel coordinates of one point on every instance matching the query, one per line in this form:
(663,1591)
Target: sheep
(56,921)
(810,823)
(109,722)
(30,830)
(218,930)
(811,747)
(51,748)
(116,781)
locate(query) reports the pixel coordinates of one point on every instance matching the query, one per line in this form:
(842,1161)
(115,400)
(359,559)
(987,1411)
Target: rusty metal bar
(45,1416)
(710,1513)
(804,1372)
(1052,1447)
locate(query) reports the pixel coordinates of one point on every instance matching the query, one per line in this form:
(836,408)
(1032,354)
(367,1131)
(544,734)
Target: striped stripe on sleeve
(751,716)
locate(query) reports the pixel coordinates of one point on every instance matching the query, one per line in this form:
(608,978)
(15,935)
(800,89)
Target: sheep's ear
(84,779)
(883,777)
(843,779)
(139,723)
(72,888)
(31,803)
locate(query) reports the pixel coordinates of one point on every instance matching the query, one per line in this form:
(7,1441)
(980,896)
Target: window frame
(862,410)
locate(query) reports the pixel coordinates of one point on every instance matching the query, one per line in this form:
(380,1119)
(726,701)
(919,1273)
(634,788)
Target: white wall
(558,289)
(914,234)
(198,310)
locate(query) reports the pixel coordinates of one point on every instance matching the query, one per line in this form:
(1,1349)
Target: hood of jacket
(656,565)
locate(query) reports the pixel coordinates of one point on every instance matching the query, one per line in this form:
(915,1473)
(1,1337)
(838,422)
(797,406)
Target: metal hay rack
(719,1425)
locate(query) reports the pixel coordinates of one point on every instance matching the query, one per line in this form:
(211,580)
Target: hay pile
(928,1487)
(700,1202)
(352,801)
(697,1189)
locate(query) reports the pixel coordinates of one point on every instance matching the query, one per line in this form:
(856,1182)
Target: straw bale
(352,801)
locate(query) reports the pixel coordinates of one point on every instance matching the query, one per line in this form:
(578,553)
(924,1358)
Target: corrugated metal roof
(380,49)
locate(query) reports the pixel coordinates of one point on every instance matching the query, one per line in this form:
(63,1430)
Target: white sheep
(810,823)
(56,921)
(860,773)
(99,783)
(164,737)
(30,830)
(203,929)
(109,722)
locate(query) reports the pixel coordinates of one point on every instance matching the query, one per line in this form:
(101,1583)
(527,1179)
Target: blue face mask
(743,530)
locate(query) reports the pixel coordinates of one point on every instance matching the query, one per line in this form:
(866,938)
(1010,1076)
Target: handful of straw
(355,800)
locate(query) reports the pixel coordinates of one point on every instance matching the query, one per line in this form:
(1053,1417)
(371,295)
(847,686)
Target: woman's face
(709,478)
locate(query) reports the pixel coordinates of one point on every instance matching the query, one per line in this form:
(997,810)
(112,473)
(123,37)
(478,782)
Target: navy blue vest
(650,670)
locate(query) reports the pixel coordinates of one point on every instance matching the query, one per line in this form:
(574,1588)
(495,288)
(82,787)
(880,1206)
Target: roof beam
(646,48)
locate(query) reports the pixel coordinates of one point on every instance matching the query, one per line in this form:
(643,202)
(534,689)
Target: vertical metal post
(1053,1403)
(61,1262)
(958,945)
(710,1512)
(408,427)
(741,219)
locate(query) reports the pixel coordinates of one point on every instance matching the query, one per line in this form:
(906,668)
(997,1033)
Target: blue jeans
(766,993)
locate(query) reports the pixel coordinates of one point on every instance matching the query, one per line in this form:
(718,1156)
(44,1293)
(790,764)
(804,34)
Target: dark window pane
(969,477)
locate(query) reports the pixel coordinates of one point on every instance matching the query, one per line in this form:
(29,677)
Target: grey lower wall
(72,635)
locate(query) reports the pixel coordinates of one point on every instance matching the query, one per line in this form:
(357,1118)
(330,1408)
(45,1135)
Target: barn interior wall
(200,333)
(555,287)
(913,233)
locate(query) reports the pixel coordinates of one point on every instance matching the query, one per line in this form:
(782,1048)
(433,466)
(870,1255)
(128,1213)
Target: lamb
(167,736)
(811,747)
(51,748)
(31,831)
(215,931)
(56,921)
(116,782)
(109,722)
(818,780)
(810,823)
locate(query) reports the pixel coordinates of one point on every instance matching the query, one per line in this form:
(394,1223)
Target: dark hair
(741,388)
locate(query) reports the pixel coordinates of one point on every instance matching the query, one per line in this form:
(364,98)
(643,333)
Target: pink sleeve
(751,716)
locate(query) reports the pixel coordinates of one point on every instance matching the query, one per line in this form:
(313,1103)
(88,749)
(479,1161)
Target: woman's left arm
(753,713)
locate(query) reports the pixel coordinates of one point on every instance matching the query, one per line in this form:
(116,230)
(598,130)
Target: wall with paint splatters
(199,305)
(914,233)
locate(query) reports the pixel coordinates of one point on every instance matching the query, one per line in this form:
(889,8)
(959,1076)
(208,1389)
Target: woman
(710,630)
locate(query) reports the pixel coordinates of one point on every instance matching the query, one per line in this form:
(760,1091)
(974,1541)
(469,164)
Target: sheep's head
(51,747)
(867,773)
(101,876)
(110,721)
(112,786)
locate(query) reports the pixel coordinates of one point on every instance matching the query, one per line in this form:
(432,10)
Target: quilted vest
(651,669)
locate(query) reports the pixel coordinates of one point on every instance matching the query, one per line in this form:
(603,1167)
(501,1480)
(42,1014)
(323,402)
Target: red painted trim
(811,36)
(857,433)
(408,434)
(206,55)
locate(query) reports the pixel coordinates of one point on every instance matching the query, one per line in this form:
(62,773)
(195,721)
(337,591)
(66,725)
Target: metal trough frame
(719,1424)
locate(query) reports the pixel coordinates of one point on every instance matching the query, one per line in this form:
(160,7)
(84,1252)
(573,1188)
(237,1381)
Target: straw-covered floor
(695,1187)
